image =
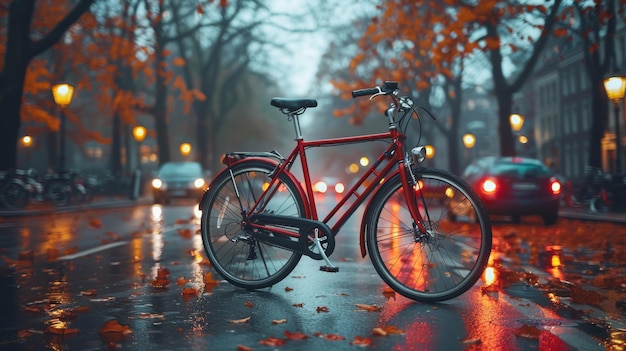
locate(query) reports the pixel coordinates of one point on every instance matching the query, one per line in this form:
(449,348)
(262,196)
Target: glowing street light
(517,121)
(185,149)
(364,161)
(615,87)
(469,140)
(139,133)
(62,94)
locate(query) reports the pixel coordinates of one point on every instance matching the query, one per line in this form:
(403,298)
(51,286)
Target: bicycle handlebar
(387,88)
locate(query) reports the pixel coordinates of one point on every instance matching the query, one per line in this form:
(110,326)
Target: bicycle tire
(238,257)
(14,195)
(447,261)
(59,194)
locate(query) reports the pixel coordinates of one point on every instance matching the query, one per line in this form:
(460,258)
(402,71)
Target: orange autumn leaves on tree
(418,42)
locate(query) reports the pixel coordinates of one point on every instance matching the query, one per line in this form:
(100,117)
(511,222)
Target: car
(515,186)
(180,180)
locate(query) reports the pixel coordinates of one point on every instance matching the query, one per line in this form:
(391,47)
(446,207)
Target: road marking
(93,250)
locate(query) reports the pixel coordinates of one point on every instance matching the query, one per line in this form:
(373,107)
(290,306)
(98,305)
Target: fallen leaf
(163,272)
(379,331)
(330,336)
(208,279)
(113,326)
(185,233)
(272,341)
(160,283)
(181,281)
(243,348)
(279,321)
(472,341)
(239,321)
(298,305)
(189,292)
(295,335)
(90,292)
(361,341)
(95,223)
(151,315)
(369,308)
(322,309)
(288,289)
(248,304)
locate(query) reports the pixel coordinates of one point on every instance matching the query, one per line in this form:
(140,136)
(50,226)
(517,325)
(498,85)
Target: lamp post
(62,94)
(139,133)
(615,87)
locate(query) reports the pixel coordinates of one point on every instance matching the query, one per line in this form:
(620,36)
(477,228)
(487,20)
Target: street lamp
(469,140)
(185,149)
(615,87)
(139,133)
(27,142)
(517,121)
(62,94)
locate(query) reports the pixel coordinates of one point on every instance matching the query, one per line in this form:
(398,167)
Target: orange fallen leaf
(90,292)
(379,331)
(387,330)
(322,309)
(279,321)
(208,279)
(288,289)
(295,335)
(361,341)
(151,315)
(95,223)
(185,233)
(160,283)
(369,308)
(298,305)
(181,281)
(389,293)
(112,326)
(189,292)
(272,341)
(163,272)
(248,304)
(243,348)
(239,321)
(329,336)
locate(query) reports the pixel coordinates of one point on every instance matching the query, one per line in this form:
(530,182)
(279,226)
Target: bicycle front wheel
(236,255)
(447,259)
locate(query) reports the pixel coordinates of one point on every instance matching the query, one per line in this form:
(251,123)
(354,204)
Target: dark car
(178,180)
(515,186)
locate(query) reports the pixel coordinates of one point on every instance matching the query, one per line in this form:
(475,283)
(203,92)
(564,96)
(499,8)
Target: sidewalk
(584,214)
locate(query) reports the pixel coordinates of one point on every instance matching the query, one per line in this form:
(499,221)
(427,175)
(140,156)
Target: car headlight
(157,183)
(198,183)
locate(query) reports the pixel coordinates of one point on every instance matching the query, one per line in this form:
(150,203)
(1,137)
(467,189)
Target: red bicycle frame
(380,169)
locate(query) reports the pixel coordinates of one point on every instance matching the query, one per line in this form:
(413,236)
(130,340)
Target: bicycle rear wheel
(236,255)
(445,261)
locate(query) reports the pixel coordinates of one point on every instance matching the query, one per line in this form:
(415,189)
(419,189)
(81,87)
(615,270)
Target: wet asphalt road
(65,276)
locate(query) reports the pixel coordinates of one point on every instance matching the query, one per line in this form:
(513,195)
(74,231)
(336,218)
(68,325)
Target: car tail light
(339,188)
(488,186)
(555,186)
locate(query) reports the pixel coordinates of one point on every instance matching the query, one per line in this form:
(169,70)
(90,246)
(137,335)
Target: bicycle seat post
(293,115)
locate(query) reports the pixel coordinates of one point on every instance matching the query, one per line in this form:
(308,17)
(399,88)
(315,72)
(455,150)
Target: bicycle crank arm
(308,230)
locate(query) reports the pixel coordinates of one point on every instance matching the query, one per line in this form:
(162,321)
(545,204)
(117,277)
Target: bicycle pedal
(329,269)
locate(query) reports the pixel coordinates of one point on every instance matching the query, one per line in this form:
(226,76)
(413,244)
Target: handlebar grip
(365,92)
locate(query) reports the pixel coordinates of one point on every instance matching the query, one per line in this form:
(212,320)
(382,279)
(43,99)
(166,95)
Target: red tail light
(488,186)
(555,186)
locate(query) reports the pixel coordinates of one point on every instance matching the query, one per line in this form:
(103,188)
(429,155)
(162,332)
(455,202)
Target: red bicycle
(426,231)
